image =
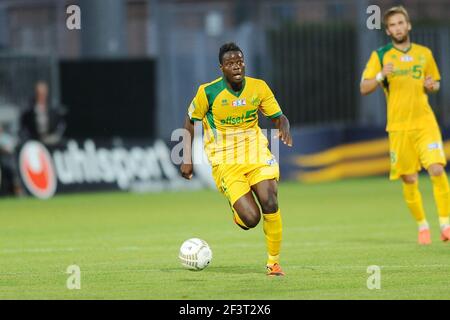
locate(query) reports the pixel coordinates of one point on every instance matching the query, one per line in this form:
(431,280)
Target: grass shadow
(236,269)
(221,269)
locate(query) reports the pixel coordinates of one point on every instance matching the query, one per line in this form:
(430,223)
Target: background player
(228,107)
(407,72)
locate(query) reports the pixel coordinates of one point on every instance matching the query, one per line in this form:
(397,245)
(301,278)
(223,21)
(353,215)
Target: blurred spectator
(41,121)
(10,179)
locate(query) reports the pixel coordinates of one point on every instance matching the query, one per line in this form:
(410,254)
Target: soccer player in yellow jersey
(242,165)
(407,72)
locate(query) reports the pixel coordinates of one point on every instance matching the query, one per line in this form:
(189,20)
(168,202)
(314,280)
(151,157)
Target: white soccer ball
(195,254)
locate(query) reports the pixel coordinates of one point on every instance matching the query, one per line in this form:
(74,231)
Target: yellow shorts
(235,180)
(414,149)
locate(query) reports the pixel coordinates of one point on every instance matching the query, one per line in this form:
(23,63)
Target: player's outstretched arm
(282,124)
(368,86)
(187,167)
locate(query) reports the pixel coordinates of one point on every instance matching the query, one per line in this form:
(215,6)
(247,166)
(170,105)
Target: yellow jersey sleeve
(431,68)
(269,105)
(373,66)
(199,105)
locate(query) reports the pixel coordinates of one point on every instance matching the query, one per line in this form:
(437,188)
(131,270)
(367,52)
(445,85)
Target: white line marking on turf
(365,267)
(51,250)
(37,250)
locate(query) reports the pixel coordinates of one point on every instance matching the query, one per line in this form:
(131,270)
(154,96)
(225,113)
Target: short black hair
(227,47)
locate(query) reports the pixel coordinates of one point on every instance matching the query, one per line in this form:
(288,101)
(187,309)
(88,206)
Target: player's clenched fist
(429,84)
(387,69)
(186,170)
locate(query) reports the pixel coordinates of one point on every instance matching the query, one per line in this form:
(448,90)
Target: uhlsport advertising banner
(88,165)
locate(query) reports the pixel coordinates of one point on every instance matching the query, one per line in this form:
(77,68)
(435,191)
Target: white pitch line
(37,250)
(365,267)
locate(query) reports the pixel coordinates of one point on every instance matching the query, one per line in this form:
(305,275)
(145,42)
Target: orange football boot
(445,234)
(274,270)
(424,237)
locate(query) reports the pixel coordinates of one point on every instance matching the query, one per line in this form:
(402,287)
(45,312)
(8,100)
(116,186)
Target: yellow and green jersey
(407,100)
(230,119)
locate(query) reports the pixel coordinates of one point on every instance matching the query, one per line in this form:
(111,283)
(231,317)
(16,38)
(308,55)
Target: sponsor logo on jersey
(239,103)
(249,116)
(256,101)
(393,157)
(422,59)
(415,71)
(435,145)
(406,58)
(272,161)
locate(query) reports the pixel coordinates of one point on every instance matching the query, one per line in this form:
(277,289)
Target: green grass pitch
(126,246)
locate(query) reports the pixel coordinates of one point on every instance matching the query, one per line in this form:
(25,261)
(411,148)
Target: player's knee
(270,203)
(251,217)
(248,211)
(270,206)
(436,170)
(409,179)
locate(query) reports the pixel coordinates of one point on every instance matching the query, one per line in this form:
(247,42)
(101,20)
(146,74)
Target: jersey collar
(406,50)
(234,93)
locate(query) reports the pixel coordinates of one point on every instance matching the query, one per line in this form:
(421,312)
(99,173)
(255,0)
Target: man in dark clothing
(40,122)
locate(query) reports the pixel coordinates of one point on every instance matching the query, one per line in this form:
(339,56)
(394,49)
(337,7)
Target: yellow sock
(413,200)
(273,230)
(441,193)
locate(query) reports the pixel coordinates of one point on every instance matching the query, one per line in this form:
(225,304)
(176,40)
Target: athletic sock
(413,200)
(273,231)
(441,192)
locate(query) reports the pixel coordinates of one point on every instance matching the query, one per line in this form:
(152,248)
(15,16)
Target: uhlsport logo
(37,170)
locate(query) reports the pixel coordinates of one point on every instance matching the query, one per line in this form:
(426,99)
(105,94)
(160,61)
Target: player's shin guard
(413,199)
(273,230)
(441,191)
